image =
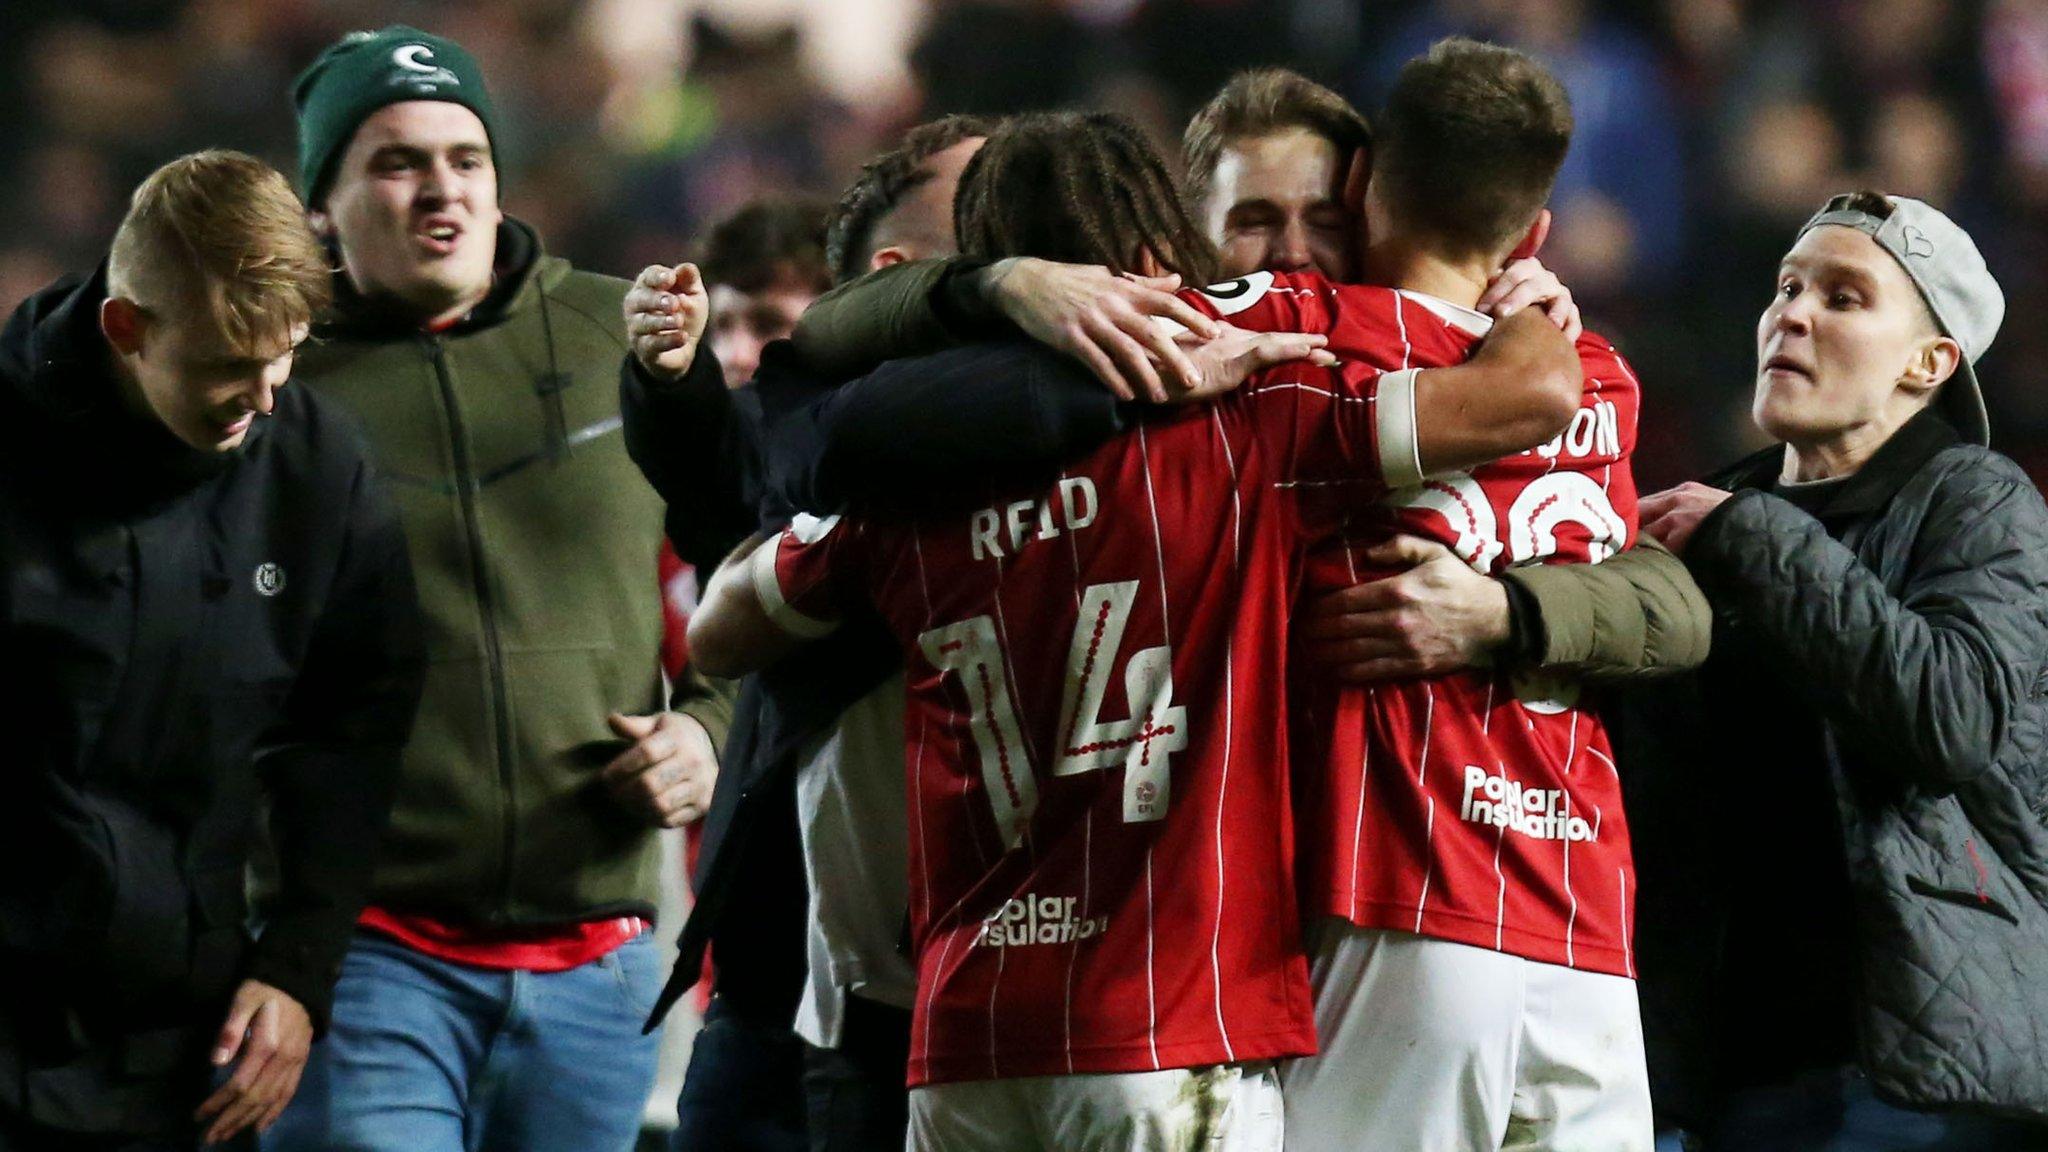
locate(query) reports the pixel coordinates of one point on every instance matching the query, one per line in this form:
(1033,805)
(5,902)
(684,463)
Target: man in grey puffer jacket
(1843,819)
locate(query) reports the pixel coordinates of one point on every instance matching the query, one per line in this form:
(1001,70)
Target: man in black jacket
(747,1066)
(204,601)
(1843,818)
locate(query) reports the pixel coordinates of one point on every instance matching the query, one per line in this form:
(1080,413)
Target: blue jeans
(1835,1110)
(428,1056)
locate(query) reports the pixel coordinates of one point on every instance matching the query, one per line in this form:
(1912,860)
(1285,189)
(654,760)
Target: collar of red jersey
(1456,315)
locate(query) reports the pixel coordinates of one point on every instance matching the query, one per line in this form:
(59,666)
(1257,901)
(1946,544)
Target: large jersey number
(1141,744)
(1157,727)
(971,652)
(1545,503)
(1533,518)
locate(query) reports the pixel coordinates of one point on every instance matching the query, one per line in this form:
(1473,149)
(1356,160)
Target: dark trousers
(854,1093)
(129,1093)
(1835,1110)
(743,1091)
(18,1135)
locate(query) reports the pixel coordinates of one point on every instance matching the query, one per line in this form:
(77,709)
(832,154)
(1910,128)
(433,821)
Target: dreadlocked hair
(1080,188)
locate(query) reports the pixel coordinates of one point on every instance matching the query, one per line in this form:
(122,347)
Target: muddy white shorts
(1430,1046)
(1225,1108)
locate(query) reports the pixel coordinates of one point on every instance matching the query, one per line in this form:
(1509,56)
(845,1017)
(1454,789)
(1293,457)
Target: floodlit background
(1708,130)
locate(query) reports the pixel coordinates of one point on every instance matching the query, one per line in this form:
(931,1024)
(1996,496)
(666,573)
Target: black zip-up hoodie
(187,634)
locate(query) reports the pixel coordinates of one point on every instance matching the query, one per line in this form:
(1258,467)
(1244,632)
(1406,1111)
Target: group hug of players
(1167,890)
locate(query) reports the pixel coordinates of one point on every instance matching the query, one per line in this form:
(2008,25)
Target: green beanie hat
(365,71)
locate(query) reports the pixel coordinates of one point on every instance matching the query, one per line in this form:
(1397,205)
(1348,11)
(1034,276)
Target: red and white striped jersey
(1101,833)
(1482,808)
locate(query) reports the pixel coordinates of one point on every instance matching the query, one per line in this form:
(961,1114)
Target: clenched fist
(666,776)
(666,310)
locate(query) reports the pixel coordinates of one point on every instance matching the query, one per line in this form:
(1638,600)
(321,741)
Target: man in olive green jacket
(497,984)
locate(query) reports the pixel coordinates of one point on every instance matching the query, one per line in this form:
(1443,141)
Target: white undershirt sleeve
(1394,417)
(768,586)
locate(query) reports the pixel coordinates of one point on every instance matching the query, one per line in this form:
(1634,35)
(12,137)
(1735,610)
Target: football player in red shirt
(1103,894)
(1463,841)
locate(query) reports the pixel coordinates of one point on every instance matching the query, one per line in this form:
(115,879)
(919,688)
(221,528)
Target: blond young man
(207,601)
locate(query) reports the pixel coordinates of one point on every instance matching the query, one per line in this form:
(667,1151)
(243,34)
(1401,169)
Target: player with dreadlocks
(1099,787)
(1102,174)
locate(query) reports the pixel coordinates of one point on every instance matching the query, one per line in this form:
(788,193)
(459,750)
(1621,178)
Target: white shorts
(1430,1046)
(1225,1108)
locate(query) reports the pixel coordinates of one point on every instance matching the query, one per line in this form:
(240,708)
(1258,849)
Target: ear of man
(1145,263)
(885,257)
(123,324)
(1532,240)
(1933,362)
(1357,175)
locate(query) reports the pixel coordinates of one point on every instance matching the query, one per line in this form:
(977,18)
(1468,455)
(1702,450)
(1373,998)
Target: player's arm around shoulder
(886,314)
(1520,389)
(747,620)
(1638,614)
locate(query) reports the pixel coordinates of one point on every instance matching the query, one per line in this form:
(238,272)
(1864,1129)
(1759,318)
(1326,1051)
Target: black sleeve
(697,443)
(1924,683)
(902,310)
(332,764)
(909,433)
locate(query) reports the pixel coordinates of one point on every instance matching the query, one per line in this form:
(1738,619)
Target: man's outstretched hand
(666,310)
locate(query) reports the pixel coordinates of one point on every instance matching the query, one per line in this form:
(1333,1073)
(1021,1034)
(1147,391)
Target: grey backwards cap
(1949,271)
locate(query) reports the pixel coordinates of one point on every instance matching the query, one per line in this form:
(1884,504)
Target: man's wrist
(1522,640)
(965,298)
(702,368)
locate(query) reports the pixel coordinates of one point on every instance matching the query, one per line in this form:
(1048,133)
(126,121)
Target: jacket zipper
(494,655)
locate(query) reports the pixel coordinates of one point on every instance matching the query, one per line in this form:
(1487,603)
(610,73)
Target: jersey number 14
(1140,744)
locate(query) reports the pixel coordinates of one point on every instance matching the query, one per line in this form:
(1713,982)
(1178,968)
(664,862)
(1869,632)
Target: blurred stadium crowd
(1708,129)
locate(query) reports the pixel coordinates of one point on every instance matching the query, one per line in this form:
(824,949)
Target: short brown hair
(1470,144)
(770,241)
(883,183)
(1079,187)
(223,228)
(1263,102)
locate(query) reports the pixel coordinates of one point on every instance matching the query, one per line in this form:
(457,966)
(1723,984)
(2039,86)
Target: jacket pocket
(1978,899)
(145,944)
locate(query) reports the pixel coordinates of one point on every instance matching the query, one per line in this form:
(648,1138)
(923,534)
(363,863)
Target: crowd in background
(1707,129)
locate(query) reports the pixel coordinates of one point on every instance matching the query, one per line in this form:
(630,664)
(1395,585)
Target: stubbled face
(1844,328)
(744,323)
(206,392)
(414,208)
(1274,204)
